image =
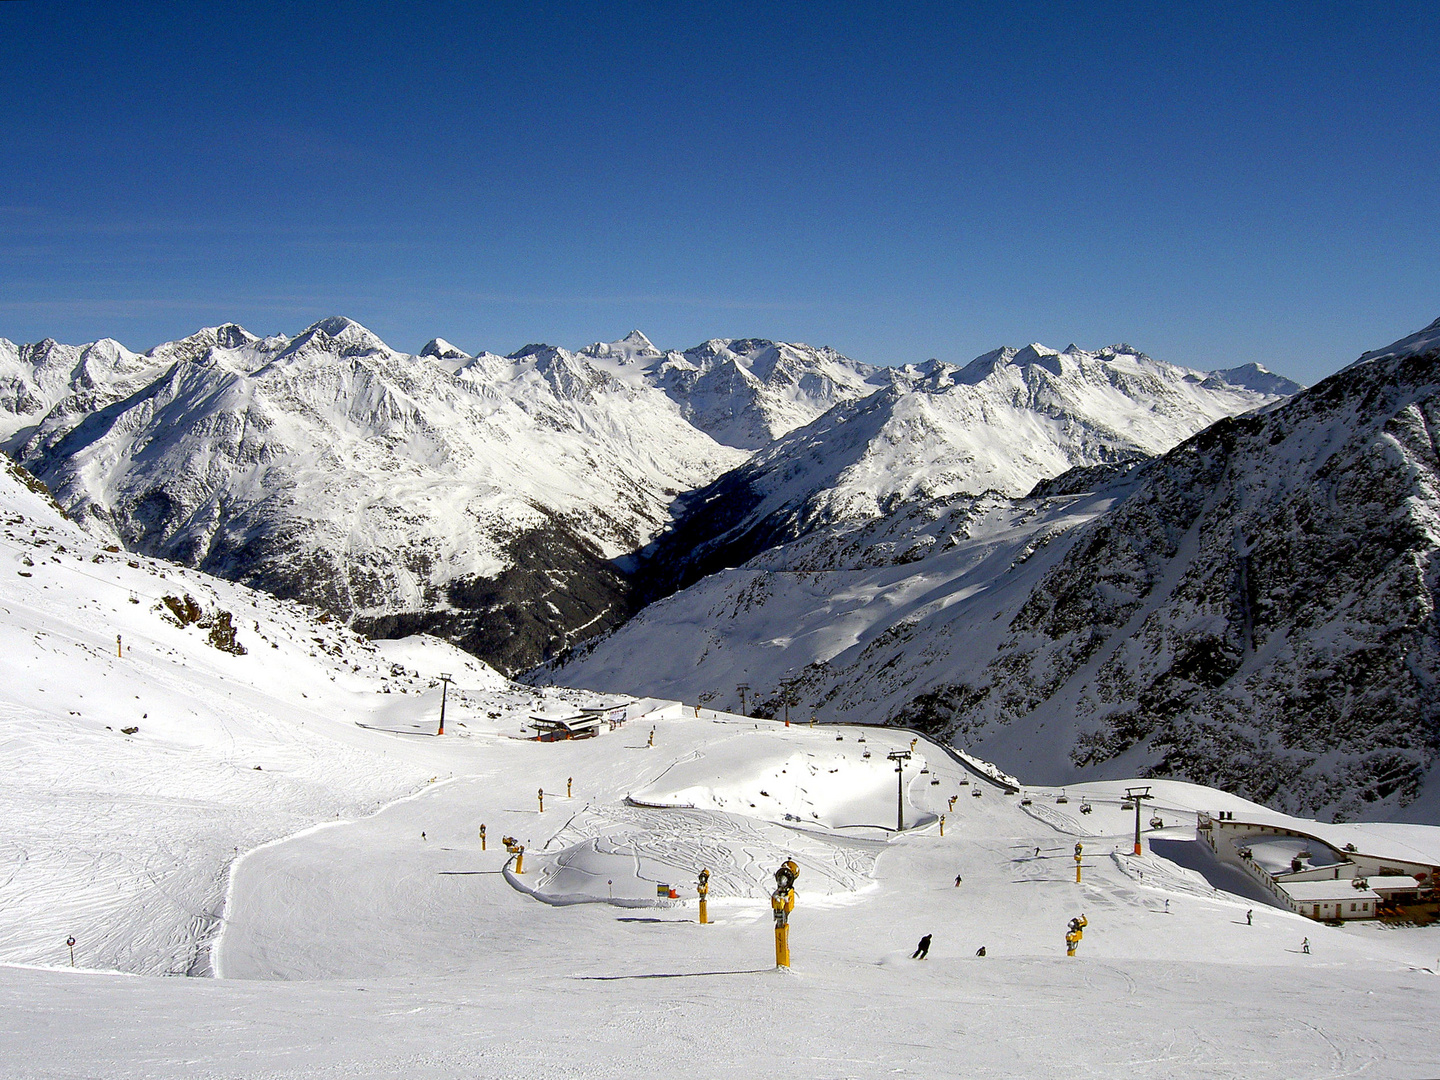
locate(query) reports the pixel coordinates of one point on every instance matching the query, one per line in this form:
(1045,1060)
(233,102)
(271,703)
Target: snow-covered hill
(1254,609)
(1003,422)
(155,721)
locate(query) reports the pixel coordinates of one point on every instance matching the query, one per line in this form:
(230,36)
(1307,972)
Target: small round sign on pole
(71,942)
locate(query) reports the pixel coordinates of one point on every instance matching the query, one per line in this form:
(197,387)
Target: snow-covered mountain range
(1003,422)
(481,497)
(498,501)
(1254,609)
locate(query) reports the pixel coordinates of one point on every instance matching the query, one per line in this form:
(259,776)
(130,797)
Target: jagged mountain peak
(378,487)
(352,338)
(1255,376)
(229,336)
(533,349)
(1033,352)
(746,392)
(443,350)
(633,348)
(192,347)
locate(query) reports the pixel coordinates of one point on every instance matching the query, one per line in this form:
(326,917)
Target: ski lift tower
(744,689)
(899,757)
(445,681)
(1136,795)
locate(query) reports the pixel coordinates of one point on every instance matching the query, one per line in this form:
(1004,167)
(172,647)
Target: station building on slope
(1328,872)
(587,721)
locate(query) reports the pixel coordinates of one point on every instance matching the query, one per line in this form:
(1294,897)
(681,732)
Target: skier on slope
(957,881)
(1250,917)
(922,950)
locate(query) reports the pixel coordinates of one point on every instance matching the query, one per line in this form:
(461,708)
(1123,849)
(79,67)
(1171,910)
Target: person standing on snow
(1250,917)
(1305,946)
(922,950)
(957,881)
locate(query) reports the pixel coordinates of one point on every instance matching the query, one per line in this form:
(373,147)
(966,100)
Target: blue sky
(1213,183)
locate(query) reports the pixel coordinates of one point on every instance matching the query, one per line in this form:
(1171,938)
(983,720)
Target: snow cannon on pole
(482,837)
(782,902)
(569,787)
(444,692)
(1079,847)
(514,847)
(542,800)
(1074,934)
(942,824)
(1137,795)
(702,886)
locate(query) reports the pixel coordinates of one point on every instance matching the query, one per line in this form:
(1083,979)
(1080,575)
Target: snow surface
(341,895)
(817,604)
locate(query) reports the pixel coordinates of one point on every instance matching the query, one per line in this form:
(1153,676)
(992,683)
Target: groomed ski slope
(360,949)
(342,942)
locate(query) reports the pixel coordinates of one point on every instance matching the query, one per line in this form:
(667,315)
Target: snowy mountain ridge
(486,498)
(1004,422)
(1253,609)
(330,468)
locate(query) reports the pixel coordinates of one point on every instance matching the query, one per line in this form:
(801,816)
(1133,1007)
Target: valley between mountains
(1082,564)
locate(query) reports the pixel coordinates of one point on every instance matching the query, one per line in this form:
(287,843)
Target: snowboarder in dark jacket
(922,950)
(980,951)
